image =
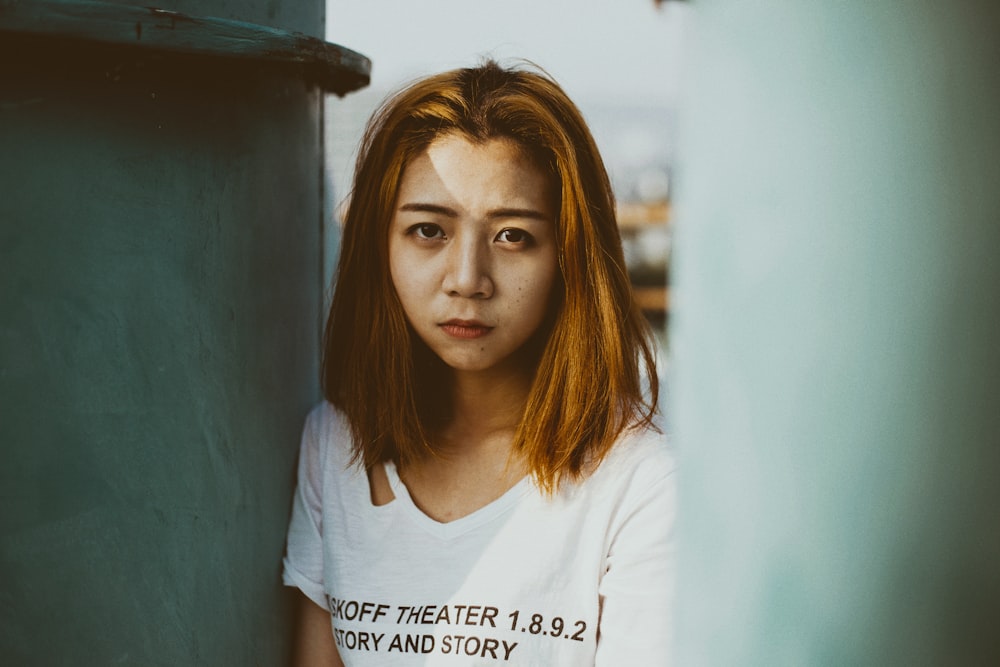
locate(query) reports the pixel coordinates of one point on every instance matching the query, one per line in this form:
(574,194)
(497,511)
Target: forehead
(455,166)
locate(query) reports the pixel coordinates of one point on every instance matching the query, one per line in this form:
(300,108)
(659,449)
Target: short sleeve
(638,586)
(303,562)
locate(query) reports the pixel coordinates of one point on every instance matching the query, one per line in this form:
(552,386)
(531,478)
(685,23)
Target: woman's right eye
(427,231)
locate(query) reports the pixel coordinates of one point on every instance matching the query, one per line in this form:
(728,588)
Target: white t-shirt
(581,577)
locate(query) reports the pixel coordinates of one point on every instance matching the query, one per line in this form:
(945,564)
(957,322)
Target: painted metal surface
(332,67)
(160,288)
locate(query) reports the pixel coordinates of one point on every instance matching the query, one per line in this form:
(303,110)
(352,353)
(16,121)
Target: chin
(514,361)
(469,365)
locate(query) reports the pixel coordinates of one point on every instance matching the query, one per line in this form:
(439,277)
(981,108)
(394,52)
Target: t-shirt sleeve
(303,562)
(638,585)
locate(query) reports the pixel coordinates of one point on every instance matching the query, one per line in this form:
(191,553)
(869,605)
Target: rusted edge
(332,67)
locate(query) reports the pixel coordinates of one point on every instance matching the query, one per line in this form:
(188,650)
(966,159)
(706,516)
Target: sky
(628,49)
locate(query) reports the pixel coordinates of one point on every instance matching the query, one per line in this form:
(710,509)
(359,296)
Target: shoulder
(639,469)
(326,417)
(327,434)
(642,454)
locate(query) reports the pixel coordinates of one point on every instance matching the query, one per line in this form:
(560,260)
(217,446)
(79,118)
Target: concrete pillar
(836,335)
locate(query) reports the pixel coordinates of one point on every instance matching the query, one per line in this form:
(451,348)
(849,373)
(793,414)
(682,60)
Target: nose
(468,270)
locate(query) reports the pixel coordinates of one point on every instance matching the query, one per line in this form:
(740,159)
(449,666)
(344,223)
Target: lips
(465,328)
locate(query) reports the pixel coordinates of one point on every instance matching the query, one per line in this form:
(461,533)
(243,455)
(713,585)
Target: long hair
(588,386)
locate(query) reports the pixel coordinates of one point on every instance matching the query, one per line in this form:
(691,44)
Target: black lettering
(376,639)
(507,649)
(350,639)
(490,614)
(470,648)
(381,611)
(396,644)
(411,644)
(442,616)
(428,616)
(351,610)
(490,646)
(472,616)
(446,644)
(402,612)
(427,644)
(414,615)
(366,608)
(536,624)
(363,641)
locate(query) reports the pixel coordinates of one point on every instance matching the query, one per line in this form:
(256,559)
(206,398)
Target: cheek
(405,294)
(395,268)
(536,288)
(399,283)
(401,271)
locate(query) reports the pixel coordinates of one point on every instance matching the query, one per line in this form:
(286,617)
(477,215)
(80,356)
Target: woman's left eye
(513,235)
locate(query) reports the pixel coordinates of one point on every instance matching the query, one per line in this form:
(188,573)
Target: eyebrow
(437,209)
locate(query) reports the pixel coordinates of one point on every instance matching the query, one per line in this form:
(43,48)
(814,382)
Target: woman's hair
(594,350)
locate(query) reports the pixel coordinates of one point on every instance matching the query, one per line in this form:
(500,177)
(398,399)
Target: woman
(484,483)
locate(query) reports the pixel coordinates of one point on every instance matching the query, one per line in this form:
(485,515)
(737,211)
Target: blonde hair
(596,345)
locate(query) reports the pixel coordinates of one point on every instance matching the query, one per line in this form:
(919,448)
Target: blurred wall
(159,321)
(836,324)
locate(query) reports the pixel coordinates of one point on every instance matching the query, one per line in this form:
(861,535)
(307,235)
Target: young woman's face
(472,249)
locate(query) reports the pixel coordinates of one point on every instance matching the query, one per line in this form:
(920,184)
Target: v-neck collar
(452,529)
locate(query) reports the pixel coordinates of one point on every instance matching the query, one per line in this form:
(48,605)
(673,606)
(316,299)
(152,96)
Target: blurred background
(621,62)
(820,180)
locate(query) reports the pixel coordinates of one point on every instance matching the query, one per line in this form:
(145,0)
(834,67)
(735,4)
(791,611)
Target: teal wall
(835,335)
(159,321)
(292,15)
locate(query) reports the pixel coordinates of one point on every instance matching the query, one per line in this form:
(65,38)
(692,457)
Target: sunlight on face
(472,250)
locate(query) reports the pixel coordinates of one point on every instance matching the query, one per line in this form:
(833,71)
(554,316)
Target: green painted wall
(159,320)
(835,335)
(305,17)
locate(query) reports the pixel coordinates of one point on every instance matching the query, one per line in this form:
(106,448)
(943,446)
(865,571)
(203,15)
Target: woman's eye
(427,231)
(518,236)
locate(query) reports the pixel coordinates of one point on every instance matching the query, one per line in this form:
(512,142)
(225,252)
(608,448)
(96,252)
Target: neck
(485,406)
(474,464)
